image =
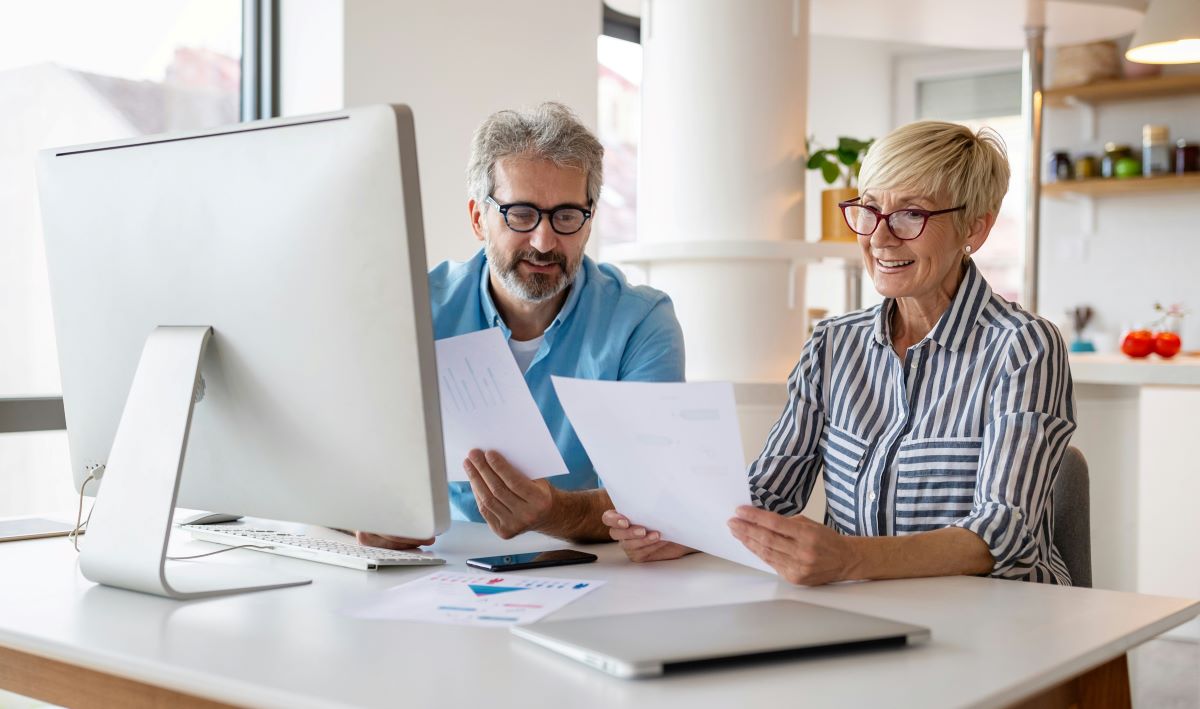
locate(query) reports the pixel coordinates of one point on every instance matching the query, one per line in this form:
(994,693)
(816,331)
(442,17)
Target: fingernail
(640,533)
(623,524)
(653,536)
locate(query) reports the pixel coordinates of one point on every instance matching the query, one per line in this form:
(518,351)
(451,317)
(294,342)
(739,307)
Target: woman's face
(917,267)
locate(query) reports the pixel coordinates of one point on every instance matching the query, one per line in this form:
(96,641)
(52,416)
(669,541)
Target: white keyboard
(300,546)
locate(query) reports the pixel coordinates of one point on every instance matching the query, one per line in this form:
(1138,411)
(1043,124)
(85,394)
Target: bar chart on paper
(475,599)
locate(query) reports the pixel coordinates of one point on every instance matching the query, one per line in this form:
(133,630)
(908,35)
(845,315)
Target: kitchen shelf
(1124,90)
(1112,187)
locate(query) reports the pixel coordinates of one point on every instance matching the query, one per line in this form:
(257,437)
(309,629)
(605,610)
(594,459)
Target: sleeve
(654,352)
(1032,417)
(783,475)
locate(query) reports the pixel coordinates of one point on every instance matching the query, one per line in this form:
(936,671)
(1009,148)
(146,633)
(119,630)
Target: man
(533,183)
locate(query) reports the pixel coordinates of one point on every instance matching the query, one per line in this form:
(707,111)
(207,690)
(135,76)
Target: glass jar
(1156,151)
(1112,153)
(1087,166)
(1187,157)
(1058,166)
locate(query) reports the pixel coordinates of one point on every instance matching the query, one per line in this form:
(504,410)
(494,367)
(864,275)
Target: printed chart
(475,599)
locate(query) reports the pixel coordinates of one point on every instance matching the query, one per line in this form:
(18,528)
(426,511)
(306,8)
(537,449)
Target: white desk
(994,642)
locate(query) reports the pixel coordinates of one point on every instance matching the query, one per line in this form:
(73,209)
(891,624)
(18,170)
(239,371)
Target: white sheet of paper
(670,456)
(486,404)
(474,599)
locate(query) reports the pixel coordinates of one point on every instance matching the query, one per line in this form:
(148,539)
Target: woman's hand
(639,543)
(802,551)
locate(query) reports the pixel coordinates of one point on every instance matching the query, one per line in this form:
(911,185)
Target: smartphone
(532,560)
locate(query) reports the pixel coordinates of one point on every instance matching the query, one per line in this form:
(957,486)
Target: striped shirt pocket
(935,482)
(842,452)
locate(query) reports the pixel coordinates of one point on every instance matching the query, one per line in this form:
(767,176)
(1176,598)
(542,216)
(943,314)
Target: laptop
(650,644)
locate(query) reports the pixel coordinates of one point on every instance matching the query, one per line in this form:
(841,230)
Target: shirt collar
(491,314)
(954,327)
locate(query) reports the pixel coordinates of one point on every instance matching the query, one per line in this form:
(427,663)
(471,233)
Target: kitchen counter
(1181,370)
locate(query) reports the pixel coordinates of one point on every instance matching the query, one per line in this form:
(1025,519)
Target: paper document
(670,456)
(474,599)
(486,404)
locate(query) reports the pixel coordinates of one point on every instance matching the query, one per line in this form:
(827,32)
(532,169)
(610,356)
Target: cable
(80,523)
(219,551)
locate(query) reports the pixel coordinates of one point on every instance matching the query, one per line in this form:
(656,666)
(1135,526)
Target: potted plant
(840,164)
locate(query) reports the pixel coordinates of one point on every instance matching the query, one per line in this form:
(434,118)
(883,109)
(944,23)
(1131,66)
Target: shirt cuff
(1004,531)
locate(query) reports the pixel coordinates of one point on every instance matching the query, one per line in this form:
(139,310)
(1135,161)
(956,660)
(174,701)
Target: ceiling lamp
(1169,34)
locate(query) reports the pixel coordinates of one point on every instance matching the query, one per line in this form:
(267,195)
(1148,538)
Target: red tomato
(1166,344)
(1138,343)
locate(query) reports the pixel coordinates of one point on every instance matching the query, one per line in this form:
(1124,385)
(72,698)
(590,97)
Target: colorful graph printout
(475,599)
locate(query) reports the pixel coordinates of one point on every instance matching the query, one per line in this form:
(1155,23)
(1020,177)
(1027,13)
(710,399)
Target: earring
(967,248)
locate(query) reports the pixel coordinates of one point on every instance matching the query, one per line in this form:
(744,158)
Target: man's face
(540,264)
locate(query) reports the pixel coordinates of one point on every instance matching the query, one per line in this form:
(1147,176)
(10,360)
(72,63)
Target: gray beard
(539,287)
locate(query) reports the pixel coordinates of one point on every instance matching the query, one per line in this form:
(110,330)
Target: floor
(1164,674)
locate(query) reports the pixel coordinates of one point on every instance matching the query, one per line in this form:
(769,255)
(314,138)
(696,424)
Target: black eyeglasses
(524,217)
(905,223)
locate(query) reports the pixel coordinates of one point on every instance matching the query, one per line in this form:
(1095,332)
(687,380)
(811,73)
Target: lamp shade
(1169,34)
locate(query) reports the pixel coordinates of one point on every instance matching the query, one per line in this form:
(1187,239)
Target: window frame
(259,99)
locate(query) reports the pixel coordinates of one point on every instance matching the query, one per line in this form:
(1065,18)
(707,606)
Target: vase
(833,225)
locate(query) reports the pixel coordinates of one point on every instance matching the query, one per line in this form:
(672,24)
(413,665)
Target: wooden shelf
(1111,187)
(1124,90)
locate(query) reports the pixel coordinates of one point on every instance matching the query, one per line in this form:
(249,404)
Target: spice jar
(1086,167)
(1058,166)
(1112,153)
(1187,157)
(1156,150)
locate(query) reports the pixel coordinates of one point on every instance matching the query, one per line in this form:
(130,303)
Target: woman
(937,419)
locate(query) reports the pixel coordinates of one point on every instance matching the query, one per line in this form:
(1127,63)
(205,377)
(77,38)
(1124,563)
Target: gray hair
(551,132)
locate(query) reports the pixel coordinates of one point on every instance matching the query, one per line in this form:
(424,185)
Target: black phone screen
(532,560)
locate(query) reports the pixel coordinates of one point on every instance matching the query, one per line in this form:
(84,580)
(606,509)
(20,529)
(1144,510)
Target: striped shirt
(968,431)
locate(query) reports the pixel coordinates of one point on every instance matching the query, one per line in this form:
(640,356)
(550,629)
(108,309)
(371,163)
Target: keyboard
(300,546)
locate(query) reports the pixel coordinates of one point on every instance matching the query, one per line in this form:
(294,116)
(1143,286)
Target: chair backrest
(1072,523)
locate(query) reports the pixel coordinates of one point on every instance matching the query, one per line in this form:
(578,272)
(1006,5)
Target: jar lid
(1116,147)
(1183,143)
(1155,134)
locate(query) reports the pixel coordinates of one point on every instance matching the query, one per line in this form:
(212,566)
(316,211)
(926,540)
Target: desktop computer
(243,324)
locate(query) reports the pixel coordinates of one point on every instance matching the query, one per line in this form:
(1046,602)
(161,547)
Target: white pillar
(724,86)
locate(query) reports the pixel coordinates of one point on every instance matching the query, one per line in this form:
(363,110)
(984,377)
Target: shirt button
(872,496)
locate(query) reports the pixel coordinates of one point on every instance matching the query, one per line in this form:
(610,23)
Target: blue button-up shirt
(607,329)
(968,430)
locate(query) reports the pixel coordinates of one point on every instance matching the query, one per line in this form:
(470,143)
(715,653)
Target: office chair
(1072,524)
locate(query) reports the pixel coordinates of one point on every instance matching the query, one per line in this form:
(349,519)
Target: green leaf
(852,144)
(830,172)
(847,157)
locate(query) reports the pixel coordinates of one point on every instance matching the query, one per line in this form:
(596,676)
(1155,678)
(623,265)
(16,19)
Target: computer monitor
(255,296)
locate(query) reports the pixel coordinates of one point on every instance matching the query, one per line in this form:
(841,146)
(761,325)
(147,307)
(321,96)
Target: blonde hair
(941,159)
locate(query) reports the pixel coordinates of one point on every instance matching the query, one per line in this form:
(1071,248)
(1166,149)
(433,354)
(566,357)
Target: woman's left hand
(802,551)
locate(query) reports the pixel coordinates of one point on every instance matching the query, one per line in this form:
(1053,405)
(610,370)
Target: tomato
(1138,343)
(1166,344)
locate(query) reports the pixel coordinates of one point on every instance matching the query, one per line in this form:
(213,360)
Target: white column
(721,170)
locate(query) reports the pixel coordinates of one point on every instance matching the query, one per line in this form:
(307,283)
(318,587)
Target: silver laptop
(649,644)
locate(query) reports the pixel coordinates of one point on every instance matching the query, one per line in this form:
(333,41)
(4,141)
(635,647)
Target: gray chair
(1072,510)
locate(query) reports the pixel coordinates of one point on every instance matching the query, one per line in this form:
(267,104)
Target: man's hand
(802,551)
(387,541)
(509,501)
(639,543)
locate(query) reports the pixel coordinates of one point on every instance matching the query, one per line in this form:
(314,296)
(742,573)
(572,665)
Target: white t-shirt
(524,352)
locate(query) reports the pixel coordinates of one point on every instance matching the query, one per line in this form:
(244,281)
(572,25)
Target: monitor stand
(126,541)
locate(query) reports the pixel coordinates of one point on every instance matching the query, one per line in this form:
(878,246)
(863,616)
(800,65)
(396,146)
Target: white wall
(1145,248)
(834,109)
(454,62)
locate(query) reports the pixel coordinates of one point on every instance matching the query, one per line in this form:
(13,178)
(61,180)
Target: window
(79,71)
(619,128)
